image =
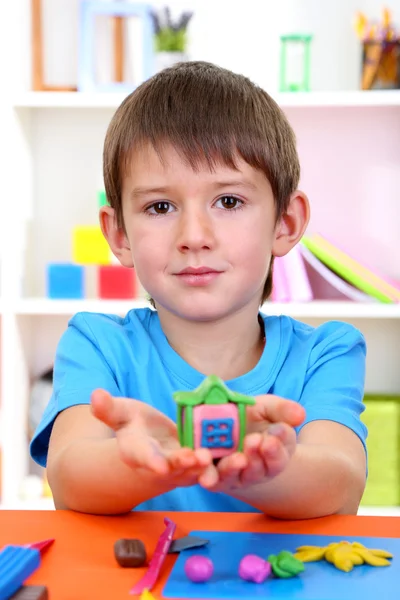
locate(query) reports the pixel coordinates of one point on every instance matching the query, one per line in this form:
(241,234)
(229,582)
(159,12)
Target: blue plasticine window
(217,433)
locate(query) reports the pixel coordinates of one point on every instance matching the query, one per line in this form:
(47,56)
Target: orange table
(81,565)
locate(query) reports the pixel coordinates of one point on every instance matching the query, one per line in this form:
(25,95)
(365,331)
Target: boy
(201,173)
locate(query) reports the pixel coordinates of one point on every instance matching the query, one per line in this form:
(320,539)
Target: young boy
(201,173)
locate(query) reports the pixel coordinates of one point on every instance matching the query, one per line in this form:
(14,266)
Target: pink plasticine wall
(219,411)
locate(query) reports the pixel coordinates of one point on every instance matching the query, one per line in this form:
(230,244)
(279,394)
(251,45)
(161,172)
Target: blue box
(65,280)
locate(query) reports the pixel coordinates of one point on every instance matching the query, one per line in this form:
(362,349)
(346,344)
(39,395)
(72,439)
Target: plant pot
(163,60)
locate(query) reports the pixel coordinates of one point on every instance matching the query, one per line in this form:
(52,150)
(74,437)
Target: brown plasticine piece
(31,592)
(130,553)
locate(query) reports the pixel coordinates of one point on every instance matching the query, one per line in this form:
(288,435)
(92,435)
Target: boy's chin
(201,312)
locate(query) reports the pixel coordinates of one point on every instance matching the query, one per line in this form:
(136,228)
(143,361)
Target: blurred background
(66,65)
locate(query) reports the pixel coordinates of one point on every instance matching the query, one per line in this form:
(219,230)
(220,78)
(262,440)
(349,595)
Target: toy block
(89,9)
(382,418)
(116,282)
(65,280)
(102,198)
(89,246)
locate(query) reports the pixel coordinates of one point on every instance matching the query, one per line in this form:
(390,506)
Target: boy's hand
(269,444)
(147,439)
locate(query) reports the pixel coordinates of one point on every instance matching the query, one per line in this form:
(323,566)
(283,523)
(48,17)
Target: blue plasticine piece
(319,581)
(65,281)
(16,565)
(217,433)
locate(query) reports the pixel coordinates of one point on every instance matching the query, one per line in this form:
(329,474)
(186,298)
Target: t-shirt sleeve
(79,368)
(334,384)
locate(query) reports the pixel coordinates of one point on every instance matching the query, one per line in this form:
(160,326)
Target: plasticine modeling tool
(157,560)
(17,563)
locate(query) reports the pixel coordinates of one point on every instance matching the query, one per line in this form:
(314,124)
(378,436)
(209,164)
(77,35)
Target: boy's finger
(274,409)
(141,451)
(114,412)
(285,434)
(255,471)
(186,458)
(229,469)
(209,478)
(182,459)
(274,454)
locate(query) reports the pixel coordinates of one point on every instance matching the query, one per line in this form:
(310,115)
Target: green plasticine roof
(201,395)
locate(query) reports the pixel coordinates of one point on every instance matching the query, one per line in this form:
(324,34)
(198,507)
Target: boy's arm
(324,471)
(85,471)
(326,475)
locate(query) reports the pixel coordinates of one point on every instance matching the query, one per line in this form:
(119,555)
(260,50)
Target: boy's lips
(197,271)
(198,276)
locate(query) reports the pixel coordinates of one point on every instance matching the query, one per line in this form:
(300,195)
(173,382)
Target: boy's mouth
(197,271)
(198,276)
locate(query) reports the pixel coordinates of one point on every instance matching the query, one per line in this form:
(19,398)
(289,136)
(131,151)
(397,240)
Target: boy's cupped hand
(147,439)
(269,444)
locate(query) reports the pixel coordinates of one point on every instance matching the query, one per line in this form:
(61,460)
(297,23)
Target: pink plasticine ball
(199,568)
(254,568)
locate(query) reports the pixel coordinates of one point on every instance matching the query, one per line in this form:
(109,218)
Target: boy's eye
(159,208)
(229,202)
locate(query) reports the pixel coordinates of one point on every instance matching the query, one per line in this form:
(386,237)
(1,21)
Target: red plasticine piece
(41,546)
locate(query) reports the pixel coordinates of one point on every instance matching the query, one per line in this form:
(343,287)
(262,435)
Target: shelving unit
(50,152)
(318,309)
(359,99)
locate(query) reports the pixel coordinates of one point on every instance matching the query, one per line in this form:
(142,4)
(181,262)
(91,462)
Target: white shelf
(286,99)
(379,511)
(339,99)
(69,100)
(40,504)
(46,306)
(335,310)
(316,309)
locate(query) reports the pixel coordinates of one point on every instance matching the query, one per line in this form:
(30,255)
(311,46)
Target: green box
(382,418)
(102,198)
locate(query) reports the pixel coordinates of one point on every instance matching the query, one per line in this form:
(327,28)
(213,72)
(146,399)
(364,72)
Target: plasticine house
(212,416)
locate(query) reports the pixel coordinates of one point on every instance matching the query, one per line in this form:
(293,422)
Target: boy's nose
(195,232)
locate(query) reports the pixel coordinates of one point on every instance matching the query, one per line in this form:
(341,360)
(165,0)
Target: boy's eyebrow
(235,183)
(143,191)
(138,192)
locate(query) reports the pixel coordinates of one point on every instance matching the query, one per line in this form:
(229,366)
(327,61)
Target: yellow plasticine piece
(375,551)
(146,595)
(344,555)
(310,553)
(89,246)
(371,559)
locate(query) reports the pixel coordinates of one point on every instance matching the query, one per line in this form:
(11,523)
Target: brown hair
(208,114)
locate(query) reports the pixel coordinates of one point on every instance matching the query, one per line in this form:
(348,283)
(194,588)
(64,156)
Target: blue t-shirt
(323,368)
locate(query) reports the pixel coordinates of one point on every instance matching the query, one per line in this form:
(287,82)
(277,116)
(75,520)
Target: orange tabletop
(80,565)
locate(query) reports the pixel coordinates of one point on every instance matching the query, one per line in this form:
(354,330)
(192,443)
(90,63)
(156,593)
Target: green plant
(170,36)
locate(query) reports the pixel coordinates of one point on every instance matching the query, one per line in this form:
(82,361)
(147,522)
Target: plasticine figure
(213,417)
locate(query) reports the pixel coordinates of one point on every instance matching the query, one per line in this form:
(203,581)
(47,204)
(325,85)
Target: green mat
(382,417)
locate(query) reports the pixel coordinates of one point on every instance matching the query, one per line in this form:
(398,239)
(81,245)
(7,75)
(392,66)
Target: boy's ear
(292,225)
(115,236)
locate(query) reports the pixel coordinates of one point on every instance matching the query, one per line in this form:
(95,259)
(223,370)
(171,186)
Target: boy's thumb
(114,412)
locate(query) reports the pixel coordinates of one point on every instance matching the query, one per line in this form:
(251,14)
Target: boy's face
(201,242)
